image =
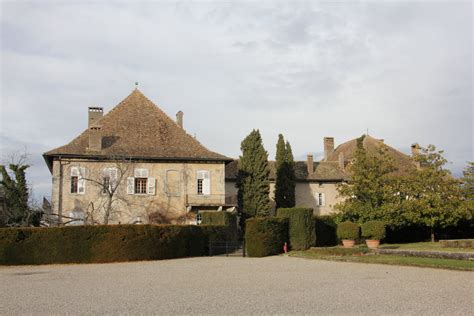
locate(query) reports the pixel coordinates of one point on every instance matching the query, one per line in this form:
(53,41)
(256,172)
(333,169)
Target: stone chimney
(309,164)
(95,113)
(328,146)
(179,118)
(341,160)
(95,138)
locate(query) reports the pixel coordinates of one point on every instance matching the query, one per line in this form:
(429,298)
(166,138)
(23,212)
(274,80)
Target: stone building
(316,182)
(135,164)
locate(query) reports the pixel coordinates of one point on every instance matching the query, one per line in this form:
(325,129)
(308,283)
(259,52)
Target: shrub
(108,243)
(222,218)
(301,227)
(325,231)
(374,230)
(265,236)
(348,230)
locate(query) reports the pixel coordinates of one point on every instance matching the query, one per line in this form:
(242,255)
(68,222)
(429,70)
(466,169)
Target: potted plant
(374,232)
(348,232)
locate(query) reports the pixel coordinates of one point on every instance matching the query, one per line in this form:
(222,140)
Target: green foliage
(373,193)
(348,230)
(252,180)
(301,227)
(107,243)
(374,230)
(325,231)
(435,196)
(265,236)
(467,191)
(285,175)
(15,189)
(222,218)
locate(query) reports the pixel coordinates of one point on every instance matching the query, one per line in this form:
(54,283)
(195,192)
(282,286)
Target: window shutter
(206,183)
(317,198)
(130,185)
(323,202)
(74,172)
(141,173)
(151,186)
(81,186)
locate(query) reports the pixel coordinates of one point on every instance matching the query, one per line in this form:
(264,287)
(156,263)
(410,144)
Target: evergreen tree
(285,175)
(15,189)
(252,180)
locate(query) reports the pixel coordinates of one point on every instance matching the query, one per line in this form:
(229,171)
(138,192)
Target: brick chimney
(95,113)
(95,138)
(328,146)
(179,118)
(341,160)
(309,164)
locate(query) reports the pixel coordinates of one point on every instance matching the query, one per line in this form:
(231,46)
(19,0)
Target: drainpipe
(60,192)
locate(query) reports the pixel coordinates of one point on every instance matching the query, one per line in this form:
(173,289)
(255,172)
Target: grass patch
(362,255)
(430,246)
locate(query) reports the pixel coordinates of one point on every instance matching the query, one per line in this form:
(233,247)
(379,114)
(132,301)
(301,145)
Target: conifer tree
(285,175)
(252,179)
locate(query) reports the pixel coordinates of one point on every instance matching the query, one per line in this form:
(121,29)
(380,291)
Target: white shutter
(141,173)
(206,184)
(74,171)
(130,185)
(151,186)
(81,182)
(317,198)
(323,202)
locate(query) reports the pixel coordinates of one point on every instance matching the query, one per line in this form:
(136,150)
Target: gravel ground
(220,285)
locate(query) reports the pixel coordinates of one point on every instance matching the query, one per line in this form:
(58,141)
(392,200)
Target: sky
(401,70)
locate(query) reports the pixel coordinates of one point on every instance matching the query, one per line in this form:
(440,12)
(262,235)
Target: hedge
(301,227)
(107,243)
(325,230)
(265,236)
(222,218)
(348,230)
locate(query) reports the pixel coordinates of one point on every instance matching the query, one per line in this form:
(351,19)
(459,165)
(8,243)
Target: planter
(348,243)
(372,243)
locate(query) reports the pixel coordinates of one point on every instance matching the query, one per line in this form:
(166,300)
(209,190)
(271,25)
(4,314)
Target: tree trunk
(432,235)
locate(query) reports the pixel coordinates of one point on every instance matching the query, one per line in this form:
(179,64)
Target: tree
(252,179)
(16,194)
(372,190)
(434,195)
(468,181)
(285,175)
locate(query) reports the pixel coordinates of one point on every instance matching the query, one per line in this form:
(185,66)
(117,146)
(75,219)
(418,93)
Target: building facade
(135,165)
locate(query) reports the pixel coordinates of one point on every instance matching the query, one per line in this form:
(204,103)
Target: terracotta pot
(348,243)
(372,243)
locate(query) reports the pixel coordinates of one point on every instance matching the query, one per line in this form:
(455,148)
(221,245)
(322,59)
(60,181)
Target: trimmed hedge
(107,243)
(348,230)
(325,229)
(265,236)
(374,230)
(222,218)
(301,227)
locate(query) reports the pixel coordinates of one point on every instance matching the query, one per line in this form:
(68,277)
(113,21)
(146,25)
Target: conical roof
(137,128)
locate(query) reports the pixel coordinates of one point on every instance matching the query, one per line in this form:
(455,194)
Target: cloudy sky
(401,69)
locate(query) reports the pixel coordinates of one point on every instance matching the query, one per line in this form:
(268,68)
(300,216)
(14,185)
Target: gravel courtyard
(220,285)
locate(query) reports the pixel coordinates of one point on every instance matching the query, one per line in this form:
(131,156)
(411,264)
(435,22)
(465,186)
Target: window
(320,199)
(78,183)
(140,185)
(74,181)
(198,219)
(203,184)
(109,180)
(106,185)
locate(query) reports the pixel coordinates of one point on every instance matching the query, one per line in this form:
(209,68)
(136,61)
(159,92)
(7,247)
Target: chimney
(415,149)
(95,113)
(309,164)
(95,138)
(341,160)
(179,118)
(328,146)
